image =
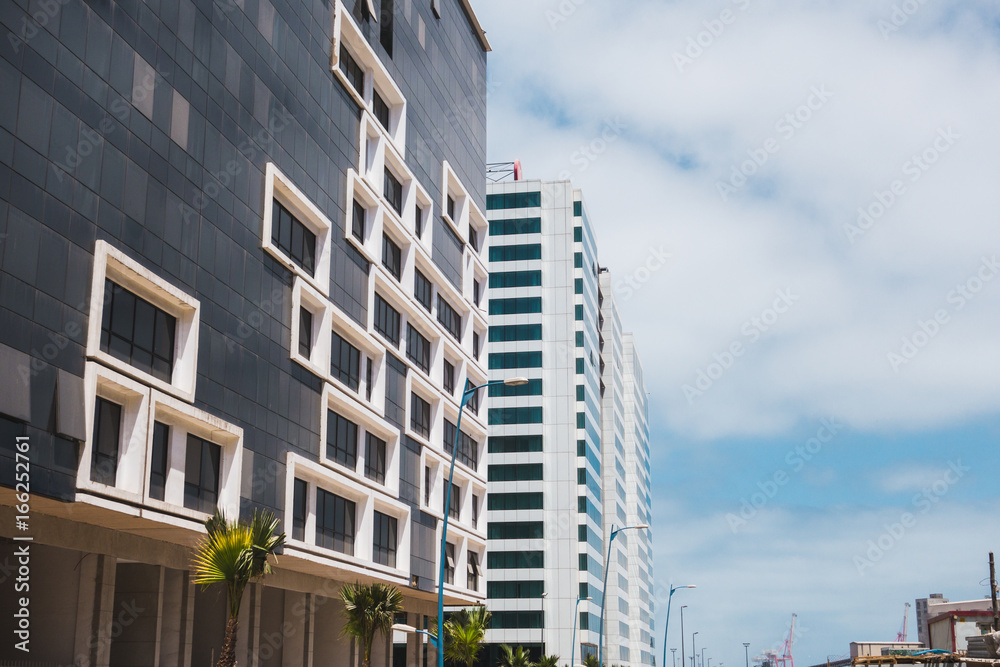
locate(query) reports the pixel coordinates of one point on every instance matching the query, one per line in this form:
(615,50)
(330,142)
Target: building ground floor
(99,596)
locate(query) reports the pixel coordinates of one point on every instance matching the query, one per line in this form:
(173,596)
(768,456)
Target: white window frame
(280,187)
(134,398)
(346,32)
(358,188)
(366,500)
(306,296)
(338,399)
(370,348)
(185,419)
(112,264)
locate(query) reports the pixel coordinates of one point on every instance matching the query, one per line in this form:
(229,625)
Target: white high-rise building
(554,465)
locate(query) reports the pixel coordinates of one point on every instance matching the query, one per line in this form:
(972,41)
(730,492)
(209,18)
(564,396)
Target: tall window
(474,400)
(427,485)
(418,348)
(420,415)
(335,517)
(137,332)
(381,109)
(475,345)
(448,377)
(341,440)
(449,563)
(472,580)
(368,378)
(451,207)
(392,190)
(453,504)
(474,238)
(299,510)
(201,475)
(293,238)
(349,66)
(375,458)
(392,257)
(387,320)
(450,318)
(305,332)
(345,361)
(422,290)
(385,26)
(384,541)
(358,214)
(418,222)
(477,292)
(106,442)
(475,510)
(158,464)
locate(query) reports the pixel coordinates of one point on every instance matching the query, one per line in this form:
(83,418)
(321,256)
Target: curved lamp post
(576,617)
(604,590)
(673,589)
(467,394)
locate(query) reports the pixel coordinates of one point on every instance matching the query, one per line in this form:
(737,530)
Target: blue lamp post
(673,589)
(576,617)
(466,395)
(604,590)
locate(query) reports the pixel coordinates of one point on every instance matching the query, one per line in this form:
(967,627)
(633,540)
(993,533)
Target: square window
(293,238)
(137,332)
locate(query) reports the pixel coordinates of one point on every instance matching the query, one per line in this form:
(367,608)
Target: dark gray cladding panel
(15,369)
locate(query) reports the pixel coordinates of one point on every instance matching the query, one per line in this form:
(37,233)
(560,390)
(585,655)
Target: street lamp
(703,657)
(604,590)
(683,658)
(467,394)
(694,651)
(409,629)
(746,649)
(673,654)
(541,630)
(673,589)
(576,617)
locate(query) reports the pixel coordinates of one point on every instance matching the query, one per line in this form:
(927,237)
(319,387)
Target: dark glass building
(238,270)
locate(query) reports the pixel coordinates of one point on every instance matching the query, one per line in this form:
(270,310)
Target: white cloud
(685,131)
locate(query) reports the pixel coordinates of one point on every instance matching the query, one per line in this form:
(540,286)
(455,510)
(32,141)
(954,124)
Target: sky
(799,202)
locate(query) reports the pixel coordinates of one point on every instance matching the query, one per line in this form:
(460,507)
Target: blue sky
(823,176)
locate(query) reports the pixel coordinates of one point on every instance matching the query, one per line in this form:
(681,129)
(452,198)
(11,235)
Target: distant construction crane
(785,659)
(901,637)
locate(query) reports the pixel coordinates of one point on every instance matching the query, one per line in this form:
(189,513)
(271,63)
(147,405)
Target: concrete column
(95,611)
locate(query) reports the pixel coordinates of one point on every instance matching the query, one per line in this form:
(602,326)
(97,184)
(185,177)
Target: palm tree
(514,658)
(549,661)
(234,553)
(369,608)
(591,661)
(464,633)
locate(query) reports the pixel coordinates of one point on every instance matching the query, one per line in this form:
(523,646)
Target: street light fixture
(409,629)
(576,617)
(467,394)
(604,590)
(673,589)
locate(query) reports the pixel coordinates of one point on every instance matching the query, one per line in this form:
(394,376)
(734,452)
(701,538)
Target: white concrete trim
(305,296)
